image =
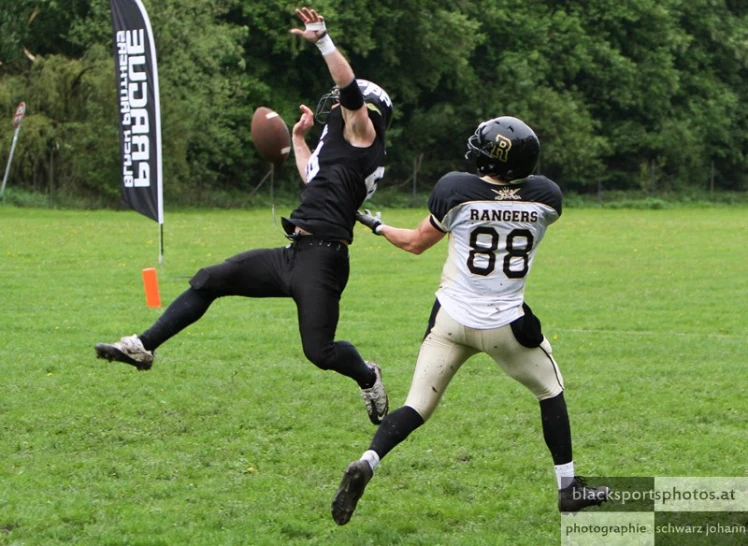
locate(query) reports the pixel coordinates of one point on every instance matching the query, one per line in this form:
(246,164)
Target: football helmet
(504,147)
(375,98)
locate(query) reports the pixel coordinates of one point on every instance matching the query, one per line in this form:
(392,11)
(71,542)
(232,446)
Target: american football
(270,135)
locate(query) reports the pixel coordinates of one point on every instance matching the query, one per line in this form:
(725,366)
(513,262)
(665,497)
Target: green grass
(233,438)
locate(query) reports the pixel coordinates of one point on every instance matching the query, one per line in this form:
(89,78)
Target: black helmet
(504,147)
(375,98)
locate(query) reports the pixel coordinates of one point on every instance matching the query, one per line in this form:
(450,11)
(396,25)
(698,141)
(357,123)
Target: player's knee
(200,279)
(330,355)
(322,356)
(541,385)
(215,279)
(544,386)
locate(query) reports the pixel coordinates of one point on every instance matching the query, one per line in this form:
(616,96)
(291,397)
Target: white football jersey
(494,232)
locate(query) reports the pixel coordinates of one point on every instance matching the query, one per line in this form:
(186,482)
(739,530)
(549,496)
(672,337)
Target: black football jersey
(339,178)
(494,232)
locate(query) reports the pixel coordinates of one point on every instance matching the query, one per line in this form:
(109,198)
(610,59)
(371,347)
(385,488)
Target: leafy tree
(644,94)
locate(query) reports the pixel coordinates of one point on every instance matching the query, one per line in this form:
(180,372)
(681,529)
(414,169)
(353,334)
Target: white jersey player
(494,232)
(495,221)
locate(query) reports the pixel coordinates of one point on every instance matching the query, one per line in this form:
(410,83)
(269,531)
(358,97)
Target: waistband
(299,240)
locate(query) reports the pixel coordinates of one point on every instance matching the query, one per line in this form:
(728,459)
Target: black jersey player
(313,269)
(495,220)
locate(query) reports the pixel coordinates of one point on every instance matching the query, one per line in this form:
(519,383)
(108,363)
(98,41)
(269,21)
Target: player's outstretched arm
(415,241)
(359,129)
(315,31)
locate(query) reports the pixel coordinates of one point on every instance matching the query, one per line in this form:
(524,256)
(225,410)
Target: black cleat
(355,478)
(129,350)
(577,495)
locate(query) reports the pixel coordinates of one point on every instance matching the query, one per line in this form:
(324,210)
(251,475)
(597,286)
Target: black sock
(343,357)
(350,363)
(394,429)
(556,428)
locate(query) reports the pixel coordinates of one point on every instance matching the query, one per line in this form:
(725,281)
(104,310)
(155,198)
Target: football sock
(564,474)
(394,429)
(371,378)
(345,359)
(372,458)
(556,429)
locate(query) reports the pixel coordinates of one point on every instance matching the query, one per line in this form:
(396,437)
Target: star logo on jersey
(506,194)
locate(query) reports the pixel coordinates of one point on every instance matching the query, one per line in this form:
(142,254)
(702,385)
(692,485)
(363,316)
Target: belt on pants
(312,241)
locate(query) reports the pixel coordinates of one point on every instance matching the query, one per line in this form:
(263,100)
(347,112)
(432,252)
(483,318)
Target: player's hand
(373,222)
(314,25)
(306,122)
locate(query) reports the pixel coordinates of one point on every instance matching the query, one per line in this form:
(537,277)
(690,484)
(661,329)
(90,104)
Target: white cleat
(129,350)
(375,397)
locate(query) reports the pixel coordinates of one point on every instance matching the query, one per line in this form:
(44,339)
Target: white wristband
(379,228)
(325,45)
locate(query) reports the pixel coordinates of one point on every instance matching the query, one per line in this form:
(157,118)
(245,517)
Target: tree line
(632,95)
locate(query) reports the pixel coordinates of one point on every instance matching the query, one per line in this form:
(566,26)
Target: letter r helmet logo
(501,148)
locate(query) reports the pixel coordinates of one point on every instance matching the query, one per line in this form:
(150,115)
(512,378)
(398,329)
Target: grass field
(234,439)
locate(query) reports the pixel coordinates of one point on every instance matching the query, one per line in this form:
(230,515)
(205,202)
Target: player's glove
(372,221)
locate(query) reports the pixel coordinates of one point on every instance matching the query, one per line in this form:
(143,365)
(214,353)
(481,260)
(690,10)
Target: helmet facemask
(326,104)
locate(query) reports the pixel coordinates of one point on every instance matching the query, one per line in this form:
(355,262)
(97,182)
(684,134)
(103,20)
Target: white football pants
(449,344)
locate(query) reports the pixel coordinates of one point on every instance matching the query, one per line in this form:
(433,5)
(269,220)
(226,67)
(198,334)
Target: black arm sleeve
(351,97)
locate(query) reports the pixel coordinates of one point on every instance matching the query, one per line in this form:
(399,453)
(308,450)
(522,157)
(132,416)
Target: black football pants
(311,271)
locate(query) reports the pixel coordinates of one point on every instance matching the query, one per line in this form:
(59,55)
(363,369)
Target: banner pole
(161,244)
(17,120)
(10,159)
